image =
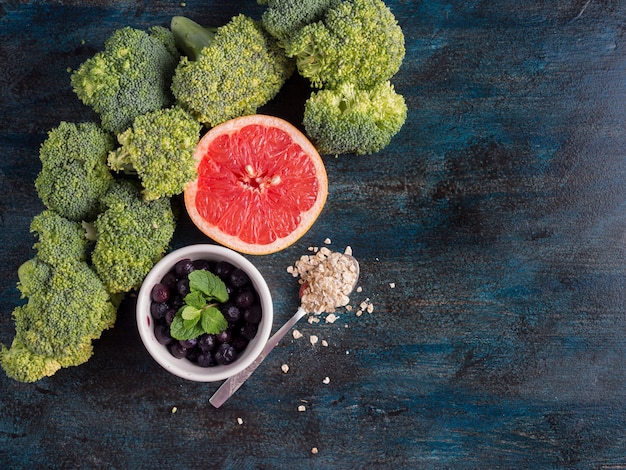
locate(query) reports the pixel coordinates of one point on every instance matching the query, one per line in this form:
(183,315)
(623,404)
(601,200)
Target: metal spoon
(232,384)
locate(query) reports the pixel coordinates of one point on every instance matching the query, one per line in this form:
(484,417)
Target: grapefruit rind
(307,217)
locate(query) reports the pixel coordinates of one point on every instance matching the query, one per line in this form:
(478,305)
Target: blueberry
(225,354)
(183,287)
(207,343)
(253,314)
(223,269)
(170,280)
(231,312)
(239,343)
(183,267)
(177,350)
(224,336)
(202,264)
(188,343)
(239,278)
(169,316)
(248,331)
(157,310)
(160,292)
(205,359)
(177,302)
(162,334)
(244,299)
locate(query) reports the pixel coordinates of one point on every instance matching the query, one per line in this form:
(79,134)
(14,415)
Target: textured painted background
(499,213)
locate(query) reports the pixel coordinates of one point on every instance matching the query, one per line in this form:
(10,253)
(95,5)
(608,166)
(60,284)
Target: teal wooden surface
(498,213)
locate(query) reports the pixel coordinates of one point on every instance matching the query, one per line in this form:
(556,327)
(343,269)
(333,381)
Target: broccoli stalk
(230,72)
(190,37)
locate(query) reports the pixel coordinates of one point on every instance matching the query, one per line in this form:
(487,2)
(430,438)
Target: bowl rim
(186,369)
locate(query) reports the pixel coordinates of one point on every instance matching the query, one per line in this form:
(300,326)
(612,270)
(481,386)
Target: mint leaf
(195,299)
(189,312)
(212,321)
(179,331)
(209,284)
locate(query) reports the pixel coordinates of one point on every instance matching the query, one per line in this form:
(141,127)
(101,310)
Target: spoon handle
(232,384)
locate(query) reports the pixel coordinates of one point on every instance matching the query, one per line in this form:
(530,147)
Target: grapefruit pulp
(260,186)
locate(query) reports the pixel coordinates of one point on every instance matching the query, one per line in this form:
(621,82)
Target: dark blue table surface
(498,213)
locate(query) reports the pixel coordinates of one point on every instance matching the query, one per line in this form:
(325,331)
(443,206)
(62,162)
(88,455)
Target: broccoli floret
(67,307)
(358,41)
(59,239)
(130,77)
(350,120)
(132,235)
(74,173)
(23,365)
(238,69)
(283,18)
(159,148)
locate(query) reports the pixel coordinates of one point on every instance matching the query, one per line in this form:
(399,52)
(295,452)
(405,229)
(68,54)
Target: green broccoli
(59,239)
(350,120)
(130,77)
(227,72)
(159,148)
(131,236)
(283,18)
(67,307)
(74,173)
(358,41)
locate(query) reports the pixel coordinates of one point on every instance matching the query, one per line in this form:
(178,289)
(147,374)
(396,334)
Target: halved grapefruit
(261,184)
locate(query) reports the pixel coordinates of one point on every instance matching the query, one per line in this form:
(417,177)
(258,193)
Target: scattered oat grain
(314,450)
(239,421)
(324,343)
(329,277)
(326,380)
(392,285)
(313,339)
(331,318)
(327,241)
(174,409)
(301,408)
(296,334)
(284,368)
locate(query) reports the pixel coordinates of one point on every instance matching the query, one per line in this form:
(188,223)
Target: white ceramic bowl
(183,367)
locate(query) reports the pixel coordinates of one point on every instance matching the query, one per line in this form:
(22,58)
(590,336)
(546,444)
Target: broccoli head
(159,148)
(23,365)
(282,18)
(59,239)
(74,173)
(67,307)
(358,41)
(351,120)
(132,235)
(130,77)
(237,69)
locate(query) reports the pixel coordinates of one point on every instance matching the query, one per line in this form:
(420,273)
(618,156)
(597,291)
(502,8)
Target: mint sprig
(200,313)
